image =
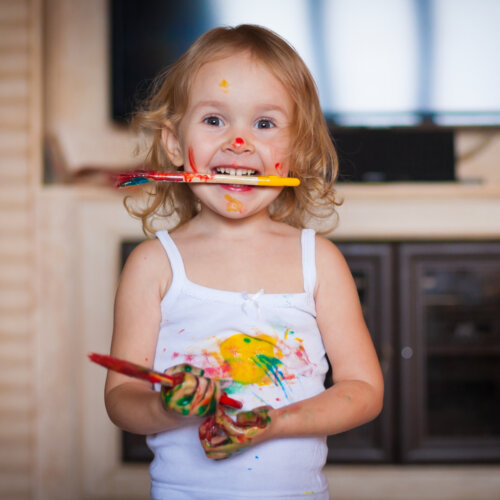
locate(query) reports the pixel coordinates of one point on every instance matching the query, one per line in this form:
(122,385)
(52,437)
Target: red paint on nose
(238,142)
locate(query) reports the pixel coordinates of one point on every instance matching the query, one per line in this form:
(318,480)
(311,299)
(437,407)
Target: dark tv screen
(377,63)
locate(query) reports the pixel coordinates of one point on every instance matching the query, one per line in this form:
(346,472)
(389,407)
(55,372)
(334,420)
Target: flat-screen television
(414,65)
(376,62)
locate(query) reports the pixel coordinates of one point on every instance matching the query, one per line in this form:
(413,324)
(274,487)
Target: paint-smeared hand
(196,395)
(222,437)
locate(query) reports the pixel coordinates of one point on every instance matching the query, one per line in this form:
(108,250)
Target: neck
(214,223)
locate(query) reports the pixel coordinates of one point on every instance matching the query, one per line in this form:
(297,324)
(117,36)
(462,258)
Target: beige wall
(59,264)
(19,179)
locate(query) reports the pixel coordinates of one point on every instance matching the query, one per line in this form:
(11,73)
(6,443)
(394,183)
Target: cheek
(280,168)
(192,162)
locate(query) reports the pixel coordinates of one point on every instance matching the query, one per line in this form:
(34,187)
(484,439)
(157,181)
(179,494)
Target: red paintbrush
(144,373)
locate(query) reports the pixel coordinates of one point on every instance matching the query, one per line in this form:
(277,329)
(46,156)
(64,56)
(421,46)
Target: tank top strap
(176,262)
(308,240)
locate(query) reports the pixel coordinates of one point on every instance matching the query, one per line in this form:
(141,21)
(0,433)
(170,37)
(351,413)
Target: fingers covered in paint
(196,395)
(221,436)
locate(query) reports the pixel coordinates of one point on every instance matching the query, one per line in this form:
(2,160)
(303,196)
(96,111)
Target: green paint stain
(234,388)
(247,340)
(185,400)
(270,365)
(213,406)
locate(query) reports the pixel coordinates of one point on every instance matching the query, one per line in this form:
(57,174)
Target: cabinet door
(371,268)
(450,350)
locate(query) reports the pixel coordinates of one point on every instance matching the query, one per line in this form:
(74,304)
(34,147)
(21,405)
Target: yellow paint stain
(234,205)
(240,352)
(224,85)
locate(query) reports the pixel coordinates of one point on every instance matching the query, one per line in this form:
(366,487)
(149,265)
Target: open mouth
(235,171)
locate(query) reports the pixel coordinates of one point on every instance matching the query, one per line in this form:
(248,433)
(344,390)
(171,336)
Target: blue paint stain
(135,181)
(271,366)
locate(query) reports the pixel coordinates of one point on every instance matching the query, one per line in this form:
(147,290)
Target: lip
(236,188)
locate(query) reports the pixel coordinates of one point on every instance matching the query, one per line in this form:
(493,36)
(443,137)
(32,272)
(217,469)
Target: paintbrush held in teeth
(144,373)
(143,176)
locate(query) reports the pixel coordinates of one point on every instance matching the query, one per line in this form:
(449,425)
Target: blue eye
(264,123)
(214,121)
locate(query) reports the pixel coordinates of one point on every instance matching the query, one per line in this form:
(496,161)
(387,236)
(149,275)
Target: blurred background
(411,92)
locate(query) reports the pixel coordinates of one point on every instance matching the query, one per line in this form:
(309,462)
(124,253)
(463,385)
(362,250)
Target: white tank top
(269,348)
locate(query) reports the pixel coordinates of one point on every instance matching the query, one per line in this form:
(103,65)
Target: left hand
(221,436)
(196,395)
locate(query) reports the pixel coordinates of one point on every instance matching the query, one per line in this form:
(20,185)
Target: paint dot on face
(234,205)
(224,85)
(279,168)
(238,142)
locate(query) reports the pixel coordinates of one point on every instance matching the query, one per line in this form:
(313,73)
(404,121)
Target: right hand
(221,436)
(196,395)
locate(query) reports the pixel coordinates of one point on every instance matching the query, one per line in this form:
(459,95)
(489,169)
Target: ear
(171,145)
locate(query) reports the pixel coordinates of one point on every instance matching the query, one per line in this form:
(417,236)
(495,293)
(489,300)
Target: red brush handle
(144,373)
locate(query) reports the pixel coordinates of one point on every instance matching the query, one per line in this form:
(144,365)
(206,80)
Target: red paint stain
(146,359)
(191,160)
(302,354)
(279,168)
(190,177)
(180,331)
(238,142)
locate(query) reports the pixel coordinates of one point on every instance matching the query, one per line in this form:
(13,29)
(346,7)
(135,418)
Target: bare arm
(357,394)
(133,405)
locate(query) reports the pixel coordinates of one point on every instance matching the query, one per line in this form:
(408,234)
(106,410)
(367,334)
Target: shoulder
(327,254)
(331,266)
(148,264)
(148,253)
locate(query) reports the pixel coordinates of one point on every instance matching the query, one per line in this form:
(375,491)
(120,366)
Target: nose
(239,145)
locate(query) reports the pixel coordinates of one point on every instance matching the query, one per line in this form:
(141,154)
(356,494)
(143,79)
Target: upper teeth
(235,171)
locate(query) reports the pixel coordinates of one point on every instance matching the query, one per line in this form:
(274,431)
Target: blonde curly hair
(312,156)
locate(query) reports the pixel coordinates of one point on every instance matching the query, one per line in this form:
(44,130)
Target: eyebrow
(216,103)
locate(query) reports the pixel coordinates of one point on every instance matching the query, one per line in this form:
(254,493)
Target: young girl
(238,296)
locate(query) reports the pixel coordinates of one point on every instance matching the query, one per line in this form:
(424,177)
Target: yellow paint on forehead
(224,85)
(234,205)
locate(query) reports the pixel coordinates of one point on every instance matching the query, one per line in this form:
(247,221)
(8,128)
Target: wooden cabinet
(433,310)
(449,326)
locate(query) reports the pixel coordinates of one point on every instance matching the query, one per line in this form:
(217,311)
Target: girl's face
(238,121)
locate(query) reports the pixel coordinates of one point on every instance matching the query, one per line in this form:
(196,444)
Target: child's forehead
(224,69)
